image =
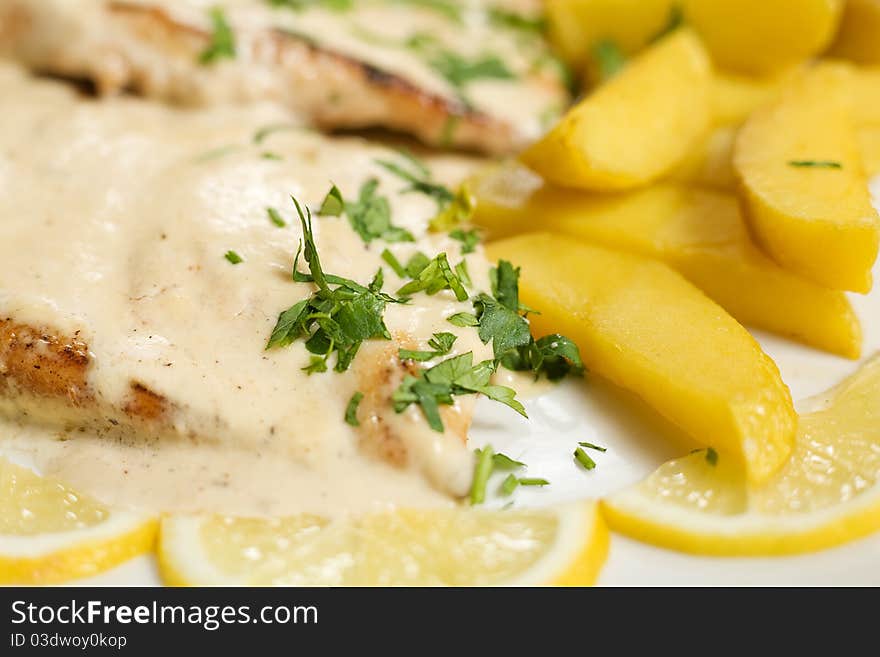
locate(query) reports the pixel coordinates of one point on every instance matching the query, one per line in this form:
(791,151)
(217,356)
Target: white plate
(638,441)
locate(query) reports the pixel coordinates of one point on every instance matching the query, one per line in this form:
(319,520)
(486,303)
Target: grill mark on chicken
(333,90)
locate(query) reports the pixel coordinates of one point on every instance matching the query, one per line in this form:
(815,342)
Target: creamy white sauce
(115,223)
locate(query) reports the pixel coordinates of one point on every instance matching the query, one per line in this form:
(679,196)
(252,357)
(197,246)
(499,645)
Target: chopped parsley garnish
(419,179)
(233,257)
(222,44)
(505,328)
(454,376)
(533,481)
(394,263)
(433,277)
(369,215)
(581,456)
(333,204)
(332,320)
(504,462)
(510,484)
(609,58)
(263,133)
(441,344)
(482,472)
(501,319)
(275,217)
(517,21)
(817,164)
(460,71)
(299,5)
(598,448)
(468,238)
(270,155)
(351,409)
(463,319)
(461,271)
(711,456)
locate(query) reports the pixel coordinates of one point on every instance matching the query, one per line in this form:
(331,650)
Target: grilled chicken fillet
(468,80)
(119,313)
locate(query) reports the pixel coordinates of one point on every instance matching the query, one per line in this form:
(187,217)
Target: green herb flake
(581,456)
(816,164)
(333,205)
(463,320)
(233,257)
(533,481)
(263,133)
(468,238)
(504,462)
(510,484)
(609,59)
(332,320)
(598,448)
(482,472)
(370,215)
(222,44)
(454,376)
(437,275)
(460,71)
(351,409)
(275,217)
(394,263)
(441,344)
(711,456)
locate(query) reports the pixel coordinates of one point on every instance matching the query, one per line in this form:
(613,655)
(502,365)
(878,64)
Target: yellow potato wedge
(763,36)
(635,127)
(865,94)
(710,164)
(803,184)
(644,327)
(699,233)
(869,145)
(576,26)
(858,38)
(734,96)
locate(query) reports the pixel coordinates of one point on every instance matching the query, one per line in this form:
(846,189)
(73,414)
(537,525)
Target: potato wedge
(576,26)
(803,183)
(858,38)
(635,127)
(866,94)
(644,327)
(734,96)
(763,36)
(710,164)
(699,233)
(869,145)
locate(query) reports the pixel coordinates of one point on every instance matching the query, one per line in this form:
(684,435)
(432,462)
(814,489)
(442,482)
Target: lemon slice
(50,533)
(459,547)
(827,494)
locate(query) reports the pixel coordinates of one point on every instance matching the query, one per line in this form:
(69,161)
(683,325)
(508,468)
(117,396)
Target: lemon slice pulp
(49,533)
(460,547)
(827,493)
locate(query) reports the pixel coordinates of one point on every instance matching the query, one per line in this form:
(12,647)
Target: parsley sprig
(453,208)
(440,343)
(501,319)
(369,215)
(222,44)
(452,377)
(332,320)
